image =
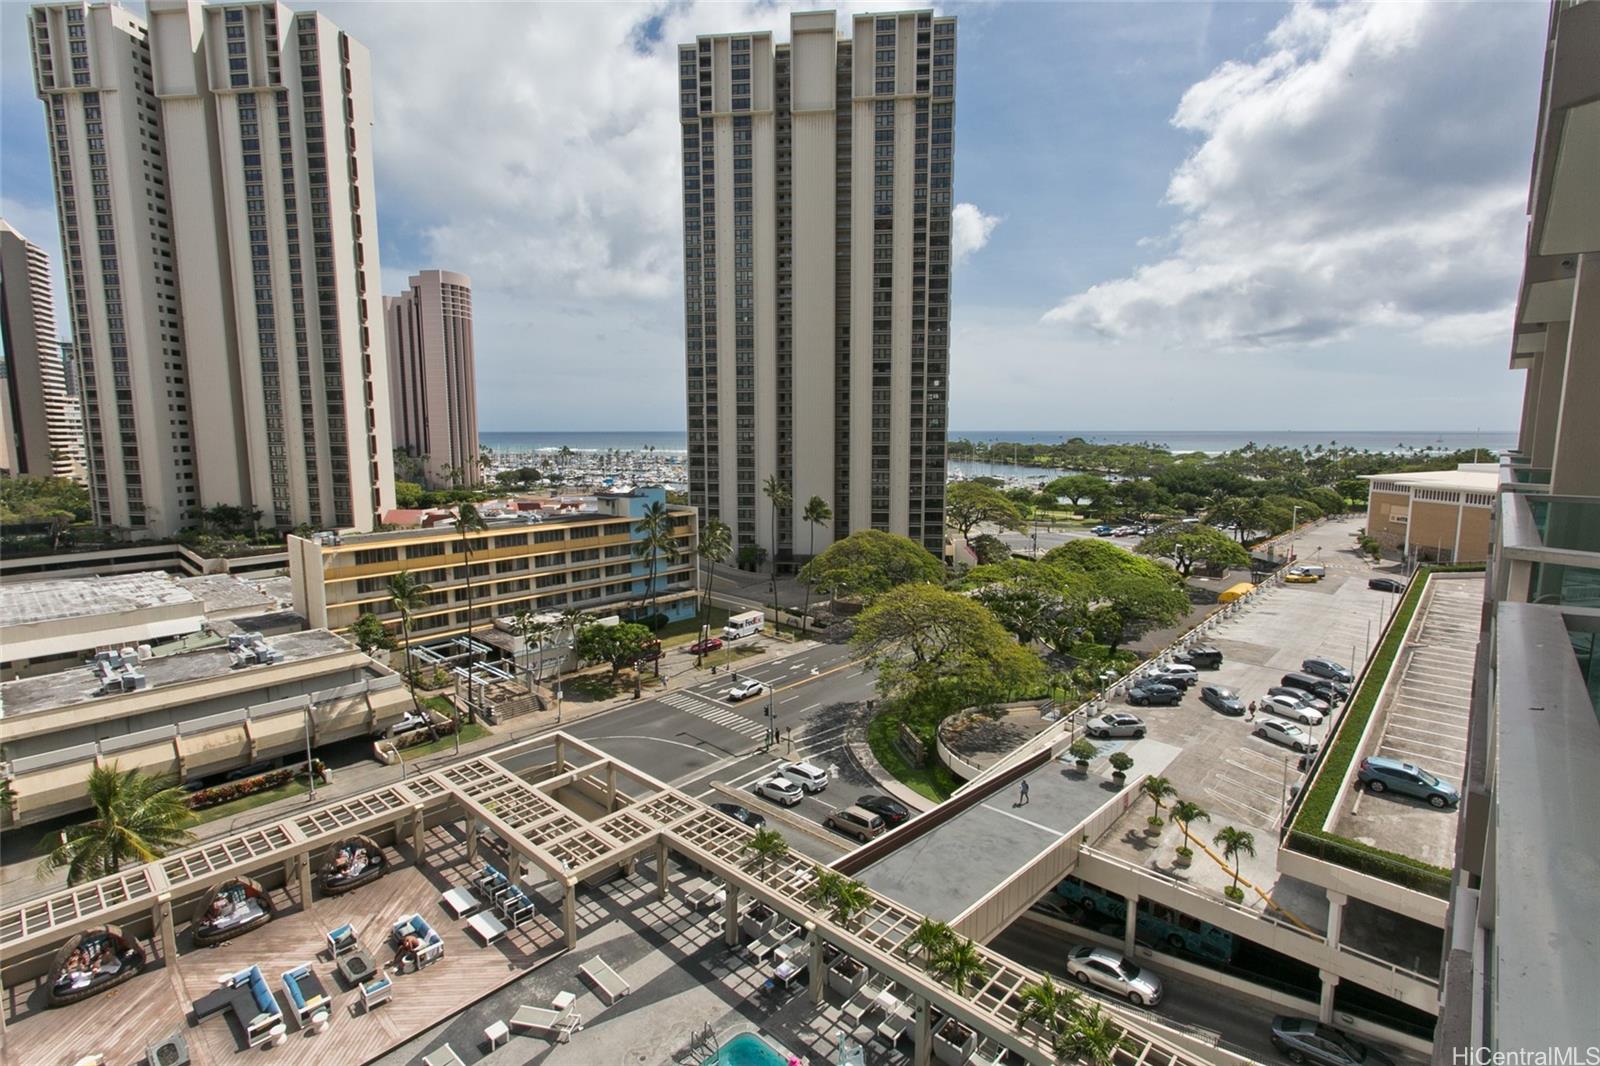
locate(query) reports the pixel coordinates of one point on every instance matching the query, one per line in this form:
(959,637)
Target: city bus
(1156,924)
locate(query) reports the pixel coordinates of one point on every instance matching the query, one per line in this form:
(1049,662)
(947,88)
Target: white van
(743,625)
(1314,569)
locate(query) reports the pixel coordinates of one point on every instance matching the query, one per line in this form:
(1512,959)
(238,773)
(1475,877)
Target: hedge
(1307,834)
(249,786)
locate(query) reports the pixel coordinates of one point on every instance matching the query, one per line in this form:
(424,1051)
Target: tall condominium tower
(41,434)
(214,177)
(433,400)
(816,202)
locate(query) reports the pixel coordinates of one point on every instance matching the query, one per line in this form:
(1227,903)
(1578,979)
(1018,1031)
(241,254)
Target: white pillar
(818,972)
(419,830)
(161,916)
(922,1038)
(1336,902)
(304,867)
(662,868)
(472,841)
(1576,433)
(1330,981)
(569,914)
(1130,923)
(730,915)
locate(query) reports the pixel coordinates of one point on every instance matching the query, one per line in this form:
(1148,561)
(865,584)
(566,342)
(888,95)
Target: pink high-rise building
(432,397)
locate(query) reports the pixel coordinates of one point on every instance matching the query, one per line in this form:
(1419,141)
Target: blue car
(1384,775)
(1101,531)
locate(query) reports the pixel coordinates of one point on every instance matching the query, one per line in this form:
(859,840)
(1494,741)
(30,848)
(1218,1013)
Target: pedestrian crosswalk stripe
(719,716)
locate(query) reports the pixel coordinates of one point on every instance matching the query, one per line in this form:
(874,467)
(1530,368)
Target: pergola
(573,822)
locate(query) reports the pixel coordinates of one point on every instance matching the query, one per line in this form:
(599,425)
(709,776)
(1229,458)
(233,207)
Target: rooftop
(1470,477)
(80,684)
(225,592)
(57,599)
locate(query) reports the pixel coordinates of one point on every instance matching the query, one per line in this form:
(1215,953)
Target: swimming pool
(747,1049)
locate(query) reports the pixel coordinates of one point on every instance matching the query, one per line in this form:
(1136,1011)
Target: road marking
(716,715)
(791,699)
(1024,821)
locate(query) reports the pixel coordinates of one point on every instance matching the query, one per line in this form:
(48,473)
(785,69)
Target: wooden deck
(122,1023)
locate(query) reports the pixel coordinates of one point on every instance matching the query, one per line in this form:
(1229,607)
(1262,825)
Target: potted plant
(1235,842)
(954,1043)
(1082,751)
(846,976)
(1121,763)
(757,921)
(1158,789)
(1185,813)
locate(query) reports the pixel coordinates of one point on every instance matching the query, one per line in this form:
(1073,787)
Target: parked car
(780,789)
(1296,576)
(1115,724)
(705,647)
(1387,584)
(1109,970)
(741,814)
(1204,657)
(1181,670)
(809,777)
(1329,669)
(409,722)
(1292,709)
(1286,733)
(650,652)
(745,689)
(1162,676)
(1222,698)
(1380,774)
(1156,693)
(855,822)
(1306,699)
(892,811)
(1124,531)
(1320,687)
(1101,531)
(1305,1040)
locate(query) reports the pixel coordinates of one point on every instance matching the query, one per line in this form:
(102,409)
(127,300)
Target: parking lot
(1423,720)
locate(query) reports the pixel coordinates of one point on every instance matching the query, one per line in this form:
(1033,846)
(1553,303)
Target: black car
(741,814)
(1176,680)
(1328,669)
(1154,693)
(1387,584)
(893,812)
(1222,698)
(1203,658)
(1320,687)
(1306,1040)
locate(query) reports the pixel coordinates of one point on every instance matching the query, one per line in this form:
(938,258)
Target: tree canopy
(1034,600)
(1131,595)
(968,504)
(943,648)
(868,563)
(1189,545)
(619,645)
(42,499)
(1077,487)
(989,549)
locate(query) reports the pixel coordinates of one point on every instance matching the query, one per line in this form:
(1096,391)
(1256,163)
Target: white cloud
(969,230)
(1369,168)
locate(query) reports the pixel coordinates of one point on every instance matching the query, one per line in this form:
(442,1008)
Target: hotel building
(816,200)
(40,429)
(433,398)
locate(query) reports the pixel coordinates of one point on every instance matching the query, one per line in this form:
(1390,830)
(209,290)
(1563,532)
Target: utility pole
(311,772)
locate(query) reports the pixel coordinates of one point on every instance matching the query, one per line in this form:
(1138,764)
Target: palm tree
(1235,842)
(1093,1038)
(1187,812)
(817,512)
(408,595)
(958,963)
(654,544)
(1049,1004)
(528,625)
(781,498)
(468,520)
(716,544)
(1158,789)
(137,817)
(929,938)
(849,900)
(768,846)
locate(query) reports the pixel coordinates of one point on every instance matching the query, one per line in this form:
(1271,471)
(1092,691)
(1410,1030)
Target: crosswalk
(724,717)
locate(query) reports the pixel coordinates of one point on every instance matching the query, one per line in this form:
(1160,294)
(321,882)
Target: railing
(1393,967)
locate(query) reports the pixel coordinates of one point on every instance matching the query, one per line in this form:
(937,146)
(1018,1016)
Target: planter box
(954,1043)
(755,926)
(846,984)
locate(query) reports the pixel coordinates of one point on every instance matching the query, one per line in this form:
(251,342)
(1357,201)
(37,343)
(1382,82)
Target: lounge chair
(514,906)
(432,943)
(541,1021)
(376,992)
(443,1056)
(253,1003)
(486,925)
(306,993)
(894,1027)
(342,940)
(609,983)
(769,941)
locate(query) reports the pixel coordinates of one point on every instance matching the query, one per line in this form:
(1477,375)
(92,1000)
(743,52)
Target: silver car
(1292,709)
(1286,733)
(1110,971)
(1115,724)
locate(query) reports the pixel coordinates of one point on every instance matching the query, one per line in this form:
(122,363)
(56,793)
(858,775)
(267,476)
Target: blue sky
(1176,215)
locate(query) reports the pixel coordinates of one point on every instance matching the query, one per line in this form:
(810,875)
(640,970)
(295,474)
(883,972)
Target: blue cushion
(263,994)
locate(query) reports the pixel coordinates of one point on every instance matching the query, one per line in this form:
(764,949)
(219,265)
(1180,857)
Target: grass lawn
(730,654)
(469,732)
(296,787)
(600,686)
(935,782)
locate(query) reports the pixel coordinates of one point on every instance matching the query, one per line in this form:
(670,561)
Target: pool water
(747,1049)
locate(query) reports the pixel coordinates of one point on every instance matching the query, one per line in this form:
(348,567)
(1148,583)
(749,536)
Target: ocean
(1204,440)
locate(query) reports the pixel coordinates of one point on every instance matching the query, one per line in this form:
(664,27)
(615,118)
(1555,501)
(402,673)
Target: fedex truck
(743,625)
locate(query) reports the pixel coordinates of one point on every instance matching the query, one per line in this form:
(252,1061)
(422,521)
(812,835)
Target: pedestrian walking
(1024,797)
(1252,710)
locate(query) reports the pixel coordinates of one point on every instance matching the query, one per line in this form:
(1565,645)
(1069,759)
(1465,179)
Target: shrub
(249,786)
(1121,762)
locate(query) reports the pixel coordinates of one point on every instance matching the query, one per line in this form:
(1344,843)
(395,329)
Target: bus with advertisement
(1156,923)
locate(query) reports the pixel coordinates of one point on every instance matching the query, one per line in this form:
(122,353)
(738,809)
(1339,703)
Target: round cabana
(230,909)
(91,962)
(351,863)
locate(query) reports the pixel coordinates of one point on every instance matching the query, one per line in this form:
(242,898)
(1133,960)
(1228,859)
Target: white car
(1181,670)
(745,689)
(808,777)
(1109,970)
(1115,724)
(780,789)
(1292,709)
(1286,733)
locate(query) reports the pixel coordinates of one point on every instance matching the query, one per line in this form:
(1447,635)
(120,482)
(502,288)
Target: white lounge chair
(610,983)
(444,1056)
(896,1026)
(541,1021)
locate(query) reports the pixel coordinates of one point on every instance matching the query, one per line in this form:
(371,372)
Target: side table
(495,1033)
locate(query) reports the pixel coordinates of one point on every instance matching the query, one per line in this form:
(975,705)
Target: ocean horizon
(1211,441)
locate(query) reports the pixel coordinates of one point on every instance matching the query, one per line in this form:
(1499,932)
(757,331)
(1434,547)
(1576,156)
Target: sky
(1170,215)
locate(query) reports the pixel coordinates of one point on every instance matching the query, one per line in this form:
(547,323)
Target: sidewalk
(17,866)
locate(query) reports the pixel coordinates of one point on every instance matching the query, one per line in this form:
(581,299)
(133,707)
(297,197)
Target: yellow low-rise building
(1435,515)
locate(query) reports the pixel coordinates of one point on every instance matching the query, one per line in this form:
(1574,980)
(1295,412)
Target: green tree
(1048,1004)
(407,494)
(989,549)
(968,504)
(751,556)
(656,541)
(942,648)
(1191,545)
(868,563)
(816,513)
(716,542)
(408,596)
(137,818)
(1093,1038)
(1186,813)
(767,846)
(958,963)
(1035,601)
(1075,488)
(619,645)
(369,634)
(530,627)
(1235,842)
(1159,789)
(468,521)
(780,497)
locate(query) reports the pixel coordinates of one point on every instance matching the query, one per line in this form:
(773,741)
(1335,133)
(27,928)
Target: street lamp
(311,772)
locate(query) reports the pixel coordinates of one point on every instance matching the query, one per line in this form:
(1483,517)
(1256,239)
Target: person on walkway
(1023,798)
(1252,710)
